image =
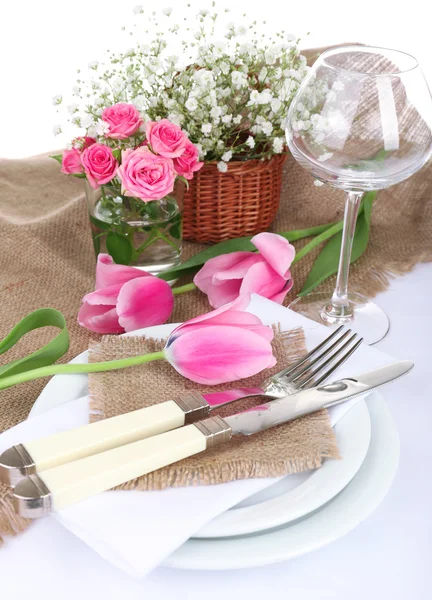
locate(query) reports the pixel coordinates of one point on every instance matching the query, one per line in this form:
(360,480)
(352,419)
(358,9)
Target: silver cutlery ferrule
(32,499)
(194,406)
(216,430)
(15,463)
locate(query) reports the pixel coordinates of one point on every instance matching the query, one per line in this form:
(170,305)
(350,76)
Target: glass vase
(146,235)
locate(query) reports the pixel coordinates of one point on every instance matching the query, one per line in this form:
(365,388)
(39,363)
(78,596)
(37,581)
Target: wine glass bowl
(360,121)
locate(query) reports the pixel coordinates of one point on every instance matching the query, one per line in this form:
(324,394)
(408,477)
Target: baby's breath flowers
(227,87)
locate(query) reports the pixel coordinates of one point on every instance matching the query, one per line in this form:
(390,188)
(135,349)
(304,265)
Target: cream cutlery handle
(74,444)
(72,482)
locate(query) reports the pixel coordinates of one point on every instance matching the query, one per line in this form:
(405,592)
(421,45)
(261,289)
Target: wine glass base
(362,316)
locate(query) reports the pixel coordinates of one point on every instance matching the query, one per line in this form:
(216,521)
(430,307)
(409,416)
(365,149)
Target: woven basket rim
(238,165)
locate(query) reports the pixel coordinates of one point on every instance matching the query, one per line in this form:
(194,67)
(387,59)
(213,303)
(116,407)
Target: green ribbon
(48,354)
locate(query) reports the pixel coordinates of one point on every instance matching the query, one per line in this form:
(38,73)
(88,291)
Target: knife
(40,494)
(45,453)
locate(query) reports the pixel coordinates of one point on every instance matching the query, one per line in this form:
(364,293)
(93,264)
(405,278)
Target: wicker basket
(243,201)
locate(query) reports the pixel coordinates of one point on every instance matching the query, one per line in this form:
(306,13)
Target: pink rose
(71,162)
(165,138)
(227,277)
(145,175)
(188,163)
(123,120)
(100,166)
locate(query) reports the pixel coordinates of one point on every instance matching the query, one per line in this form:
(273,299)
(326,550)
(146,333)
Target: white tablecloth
(387,556)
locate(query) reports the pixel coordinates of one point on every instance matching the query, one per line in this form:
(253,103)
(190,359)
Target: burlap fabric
(290,448)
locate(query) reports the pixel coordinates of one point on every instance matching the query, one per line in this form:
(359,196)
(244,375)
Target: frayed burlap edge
(10,522)
(234,470)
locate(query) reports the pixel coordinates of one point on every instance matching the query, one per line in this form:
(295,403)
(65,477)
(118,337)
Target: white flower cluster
(230,92)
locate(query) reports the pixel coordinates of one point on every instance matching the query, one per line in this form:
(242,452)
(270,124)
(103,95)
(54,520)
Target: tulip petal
(262,279)
(109,273)
(106,296)
(276,250)
(99,318)
(280,297)
(204,278)
(240,304)
(237,271)
(220,354)
(221,294)
(144,302)
(219,316)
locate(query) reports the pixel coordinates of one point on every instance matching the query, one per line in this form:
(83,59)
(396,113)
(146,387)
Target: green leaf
(117,154)
(153,209)
(327,261)
(46,355)
(58,158)
(79,175)
(175,231)
(119,247)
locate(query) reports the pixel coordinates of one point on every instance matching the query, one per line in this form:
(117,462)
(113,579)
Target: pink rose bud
(125,299)
(145,175)
(123,119)
(225,277)
(187,164)
(84,142)
(100,166)
(165,138)
(224,345)
(71,162)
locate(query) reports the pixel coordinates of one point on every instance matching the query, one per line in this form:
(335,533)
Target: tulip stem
(96,367)
(188,287)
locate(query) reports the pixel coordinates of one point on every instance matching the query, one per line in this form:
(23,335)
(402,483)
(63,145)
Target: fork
(38,455)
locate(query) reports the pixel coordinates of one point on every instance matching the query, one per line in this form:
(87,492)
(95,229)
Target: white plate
(291,498)
(298,495)
(333,520)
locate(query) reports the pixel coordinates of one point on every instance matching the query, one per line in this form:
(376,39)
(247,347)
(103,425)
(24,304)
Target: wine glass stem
(339,302)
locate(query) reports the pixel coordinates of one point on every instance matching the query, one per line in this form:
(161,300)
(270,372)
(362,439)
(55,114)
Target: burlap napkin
(289,448)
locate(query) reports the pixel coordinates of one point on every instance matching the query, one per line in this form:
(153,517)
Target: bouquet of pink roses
(136,173)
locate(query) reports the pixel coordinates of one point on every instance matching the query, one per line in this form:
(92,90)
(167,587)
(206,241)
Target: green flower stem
(322,237)
(299,234)
(109,365)
(167,240)
(149,241)
(188,287)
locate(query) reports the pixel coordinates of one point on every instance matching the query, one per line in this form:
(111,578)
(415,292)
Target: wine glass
(360,121)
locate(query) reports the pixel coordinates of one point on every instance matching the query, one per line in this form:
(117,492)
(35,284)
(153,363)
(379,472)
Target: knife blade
(40,494)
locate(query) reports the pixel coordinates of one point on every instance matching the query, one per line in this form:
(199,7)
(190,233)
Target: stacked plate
(300,512)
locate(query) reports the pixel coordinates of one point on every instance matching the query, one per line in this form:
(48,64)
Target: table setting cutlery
(42,454)
(56,488)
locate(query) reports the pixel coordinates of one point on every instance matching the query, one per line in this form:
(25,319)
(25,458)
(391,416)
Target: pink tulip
(125,299)
(224,345)
(224,278)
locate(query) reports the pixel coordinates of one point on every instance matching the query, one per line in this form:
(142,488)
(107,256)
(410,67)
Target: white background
(41,45)
(43,42)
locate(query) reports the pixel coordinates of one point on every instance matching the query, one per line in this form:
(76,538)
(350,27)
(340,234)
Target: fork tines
(338,346)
